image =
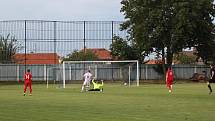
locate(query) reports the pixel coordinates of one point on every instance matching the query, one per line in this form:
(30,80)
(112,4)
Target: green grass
(190,102)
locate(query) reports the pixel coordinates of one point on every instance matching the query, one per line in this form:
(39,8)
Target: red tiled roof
(101,53)
(37,58)
(188,53)
(154,62)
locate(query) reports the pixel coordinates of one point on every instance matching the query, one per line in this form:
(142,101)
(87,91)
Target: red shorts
(27,84)
(169,82)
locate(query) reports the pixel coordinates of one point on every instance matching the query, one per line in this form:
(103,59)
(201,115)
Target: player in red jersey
(28,81)
(169,79)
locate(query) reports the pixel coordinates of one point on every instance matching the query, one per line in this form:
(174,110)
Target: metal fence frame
(61,37)
(13,72)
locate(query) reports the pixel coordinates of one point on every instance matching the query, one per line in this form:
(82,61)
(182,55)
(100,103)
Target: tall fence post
(84,42)
(112,34)
(84,36)
(25,43)
(55,49)
(55,42)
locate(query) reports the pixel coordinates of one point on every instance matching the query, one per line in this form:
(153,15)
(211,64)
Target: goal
(126,72)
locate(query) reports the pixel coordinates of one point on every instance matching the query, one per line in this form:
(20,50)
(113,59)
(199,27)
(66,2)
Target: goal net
(54,76)
(124,72)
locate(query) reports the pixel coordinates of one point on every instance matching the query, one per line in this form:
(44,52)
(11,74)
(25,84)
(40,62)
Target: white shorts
(86,82)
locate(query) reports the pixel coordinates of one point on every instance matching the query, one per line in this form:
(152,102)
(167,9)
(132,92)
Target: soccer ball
(125,84)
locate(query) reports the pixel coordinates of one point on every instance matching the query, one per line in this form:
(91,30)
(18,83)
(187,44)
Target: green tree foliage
(8,48)
(81,56)
(207,52)
(169,25)
(121,49)
(210,53)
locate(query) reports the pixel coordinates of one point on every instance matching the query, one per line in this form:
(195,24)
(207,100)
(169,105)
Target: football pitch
(148,102)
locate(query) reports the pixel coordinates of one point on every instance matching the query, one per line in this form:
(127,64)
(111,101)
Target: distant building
(101,53)
(36,58)
(191,54)
(154,62)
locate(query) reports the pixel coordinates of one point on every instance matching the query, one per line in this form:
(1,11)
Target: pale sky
(63,10)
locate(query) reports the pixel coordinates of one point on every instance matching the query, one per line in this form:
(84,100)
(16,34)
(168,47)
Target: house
(101,53)
(154,61)
(36,58)
(190,54)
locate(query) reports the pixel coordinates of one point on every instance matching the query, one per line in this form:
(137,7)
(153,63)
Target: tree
(207,52)
(81,56)
(122,50)
(8,48)
(169,25)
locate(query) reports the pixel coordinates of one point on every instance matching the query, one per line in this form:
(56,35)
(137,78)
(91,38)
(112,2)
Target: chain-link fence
(59,37)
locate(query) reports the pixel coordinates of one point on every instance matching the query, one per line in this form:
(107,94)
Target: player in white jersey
(87,78)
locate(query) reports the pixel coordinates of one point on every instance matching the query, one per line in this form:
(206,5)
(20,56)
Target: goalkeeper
(97,86)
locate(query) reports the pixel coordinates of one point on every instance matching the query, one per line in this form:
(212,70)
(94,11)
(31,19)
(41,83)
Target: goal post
(105,70)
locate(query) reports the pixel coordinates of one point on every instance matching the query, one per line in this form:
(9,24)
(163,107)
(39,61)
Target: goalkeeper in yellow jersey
(97,85)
